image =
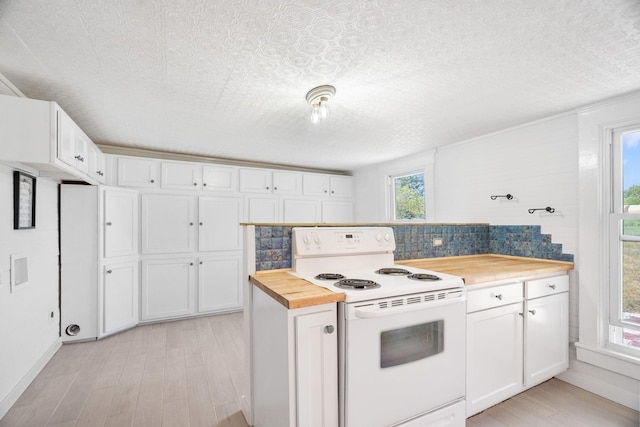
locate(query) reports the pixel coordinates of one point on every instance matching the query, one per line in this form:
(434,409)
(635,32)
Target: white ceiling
(228,78)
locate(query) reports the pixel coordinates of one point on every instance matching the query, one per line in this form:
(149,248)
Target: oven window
(405,345)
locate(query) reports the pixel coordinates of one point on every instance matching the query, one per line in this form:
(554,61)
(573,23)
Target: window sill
(610,360)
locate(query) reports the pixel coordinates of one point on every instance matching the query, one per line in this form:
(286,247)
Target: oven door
(400,362)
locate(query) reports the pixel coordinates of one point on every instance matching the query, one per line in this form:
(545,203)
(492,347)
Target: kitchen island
(298,319)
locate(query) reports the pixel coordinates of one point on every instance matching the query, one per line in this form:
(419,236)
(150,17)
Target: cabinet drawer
(482,299)
(547,286)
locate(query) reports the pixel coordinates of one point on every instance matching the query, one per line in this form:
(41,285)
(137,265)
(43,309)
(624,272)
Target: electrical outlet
(437,241)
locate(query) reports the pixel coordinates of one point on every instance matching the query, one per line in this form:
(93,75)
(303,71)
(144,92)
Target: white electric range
(401,329)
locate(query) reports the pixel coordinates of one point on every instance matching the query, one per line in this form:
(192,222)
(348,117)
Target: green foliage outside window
(409,196)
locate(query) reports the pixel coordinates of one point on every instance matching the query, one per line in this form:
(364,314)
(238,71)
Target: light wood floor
(189,373)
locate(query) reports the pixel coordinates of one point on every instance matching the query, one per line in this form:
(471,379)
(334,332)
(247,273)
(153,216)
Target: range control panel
(325,241)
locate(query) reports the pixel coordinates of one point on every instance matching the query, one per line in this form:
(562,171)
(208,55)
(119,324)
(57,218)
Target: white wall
(28,335)
(536,163)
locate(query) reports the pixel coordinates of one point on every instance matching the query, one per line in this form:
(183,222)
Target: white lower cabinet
(295,367)
(517,337)
(218,278)
(494,356)
(119,297)
(168,288)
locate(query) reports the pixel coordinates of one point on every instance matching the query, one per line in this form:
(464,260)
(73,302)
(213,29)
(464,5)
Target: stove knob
(378,237)
(316,239)
(305,239)
(387,237)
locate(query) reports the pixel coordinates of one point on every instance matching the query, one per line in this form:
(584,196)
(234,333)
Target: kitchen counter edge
(293,292)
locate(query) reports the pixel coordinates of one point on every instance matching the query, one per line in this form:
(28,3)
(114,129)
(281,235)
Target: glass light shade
(323,110)
(315,114)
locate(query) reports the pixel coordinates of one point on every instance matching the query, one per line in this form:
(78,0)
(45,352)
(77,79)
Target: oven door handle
(370,312)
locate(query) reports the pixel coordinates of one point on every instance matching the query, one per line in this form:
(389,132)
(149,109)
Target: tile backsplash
(273,243)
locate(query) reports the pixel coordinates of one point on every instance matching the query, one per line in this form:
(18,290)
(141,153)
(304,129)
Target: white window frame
(615,218)
(392,195)
(616,240)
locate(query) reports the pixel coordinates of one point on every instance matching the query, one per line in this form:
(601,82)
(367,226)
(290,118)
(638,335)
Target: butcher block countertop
(476,269)
(293,292)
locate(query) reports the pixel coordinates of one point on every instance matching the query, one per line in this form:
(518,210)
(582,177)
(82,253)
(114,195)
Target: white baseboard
(17,391)
(601,387)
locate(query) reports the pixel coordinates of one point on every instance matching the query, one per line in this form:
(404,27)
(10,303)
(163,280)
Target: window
(407,194)
(624,223)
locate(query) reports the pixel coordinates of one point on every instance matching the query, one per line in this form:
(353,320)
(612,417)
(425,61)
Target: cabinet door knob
(200,223)
(267,187)
(332,191)
(521,314)
(200,262)
(275,188)
(108,223)
(552,286)
(109,271)
(190,263)
(499,296)
(153,180)
(532,312)
(329,329)
(80,158)
(204,184)
(190,223)
(100,173)
(325,191)
(195,183)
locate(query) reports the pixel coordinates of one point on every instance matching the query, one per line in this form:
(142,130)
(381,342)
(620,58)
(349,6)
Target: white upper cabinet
(181,176)
(341,186)
(168,223)
(141,173)
(74,147)
(287,182)
(219,223)
(219,178)
(267,181)
(97,164)
(319,185)
(40,134)
(255,180)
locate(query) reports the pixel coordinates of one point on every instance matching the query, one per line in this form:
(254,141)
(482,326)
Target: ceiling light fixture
(318,98)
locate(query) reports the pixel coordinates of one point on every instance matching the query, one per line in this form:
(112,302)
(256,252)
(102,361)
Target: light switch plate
(437,241)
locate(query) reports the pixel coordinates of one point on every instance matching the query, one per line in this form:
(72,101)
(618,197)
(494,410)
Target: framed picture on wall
(24,201)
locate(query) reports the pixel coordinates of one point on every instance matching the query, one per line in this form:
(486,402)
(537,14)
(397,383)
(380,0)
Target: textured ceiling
(228,78)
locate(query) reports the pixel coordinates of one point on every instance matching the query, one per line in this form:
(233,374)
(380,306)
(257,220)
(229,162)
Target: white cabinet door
(219,283)
(341,186)
(287,182)
(316,376)
(546,338)
(181,176)
(97,163)
(168,288)
(141,173)
(494,356)
(81,155)
(301,211)
(219,223)
(66,138)
(337,211)
(120,223)
(220,178)
(167,223)
(255,180)
(119,297)
(262,210)
(315,185)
